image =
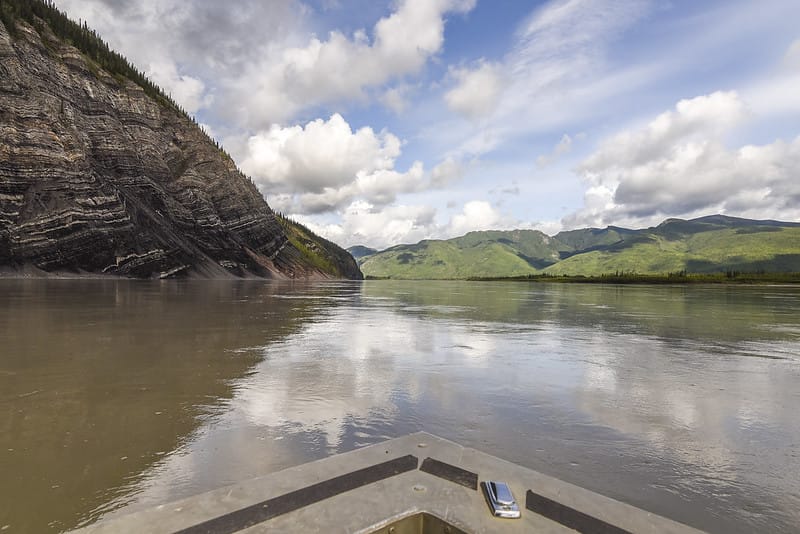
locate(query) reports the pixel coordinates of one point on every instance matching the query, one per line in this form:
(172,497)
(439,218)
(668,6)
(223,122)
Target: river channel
(119,395)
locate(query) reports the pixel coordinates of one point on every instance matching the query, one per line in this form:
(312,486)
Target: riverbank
(732,277)
(636,278)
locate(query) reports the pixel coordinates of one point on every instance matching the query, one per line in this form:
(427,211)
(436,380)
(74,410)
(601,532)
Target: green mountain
(590,238)
(477,254)
(361,253)
(710,244)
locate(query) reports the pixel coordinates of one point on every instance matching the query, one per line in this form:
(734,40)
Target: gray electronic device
(501,500)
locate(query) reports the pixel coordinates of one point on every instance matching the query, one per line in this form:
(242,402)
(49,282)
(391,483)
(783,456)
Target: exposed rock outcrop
(97,176)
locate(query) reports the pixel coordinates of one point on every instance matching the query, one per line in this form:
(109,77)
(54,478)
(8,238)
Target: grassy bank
(730,277)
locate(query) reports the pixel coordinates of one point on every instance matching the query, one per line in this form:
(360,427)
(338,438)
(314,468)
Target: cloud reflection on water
(631,392)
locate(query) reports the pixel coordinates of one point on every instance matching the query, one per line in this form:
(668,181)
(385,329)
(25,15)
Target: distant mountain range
(716,243)
(359,251)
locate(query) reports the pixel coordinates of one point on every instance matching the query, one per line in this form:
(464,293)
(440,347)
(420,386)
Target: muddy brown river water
(118,395)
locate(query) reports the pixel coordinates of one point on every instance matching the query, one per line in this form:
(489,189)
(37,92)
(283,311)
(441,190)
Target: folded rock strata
(98,177)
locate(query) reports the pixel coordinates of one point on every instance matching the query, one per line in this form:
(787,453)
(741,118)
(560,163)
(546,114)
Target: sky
(379,122)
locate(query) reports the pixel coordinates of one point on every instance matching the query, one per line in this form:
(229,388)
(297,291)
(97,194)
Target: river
(118,395)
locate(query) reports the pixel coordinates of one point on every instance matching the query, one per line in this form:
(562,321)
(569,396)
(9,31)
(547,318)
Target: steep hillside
(101,173)
(322,254)
(706,245)
(477,254)
(536,248)
(587,239)
(361,253)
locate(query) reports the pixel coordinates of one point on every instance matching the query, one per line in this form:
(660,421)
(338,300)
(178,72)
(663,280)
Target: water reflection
(100,379)
(679,400)
(709,313)
(346,381)
(722,423)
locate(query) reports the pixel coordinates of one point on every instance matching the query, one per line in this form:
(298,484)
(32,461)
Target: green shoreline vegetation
(317,250)
(730,277)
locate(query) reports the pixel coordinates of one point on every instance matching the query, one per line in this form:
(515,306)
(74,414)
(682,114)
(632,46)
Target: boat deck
(413,484)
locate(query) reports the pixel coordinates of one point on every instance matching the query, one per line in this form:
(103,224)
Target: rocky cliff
(98,176)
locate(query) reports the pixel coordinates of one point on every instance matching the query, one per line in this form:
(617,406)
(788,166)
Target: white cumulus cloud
(362,223)
(341,67)
(476,215)
(679,165)
(319,155)
(447,172)
(189,92)
(698,118)
(396,98)
(477,91)
(190,48)
(325,165)
(260,59)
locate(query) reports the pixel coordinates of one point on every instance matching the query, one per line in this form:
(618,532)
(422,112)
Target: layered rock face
(98,177)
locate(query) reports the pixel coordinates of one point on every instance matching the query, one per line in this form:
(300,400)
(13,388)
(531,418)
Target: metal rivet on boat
(419,487)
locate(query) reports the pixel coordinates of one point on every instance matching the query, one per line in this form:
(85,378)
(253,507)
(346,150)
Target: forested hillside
(711,244)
